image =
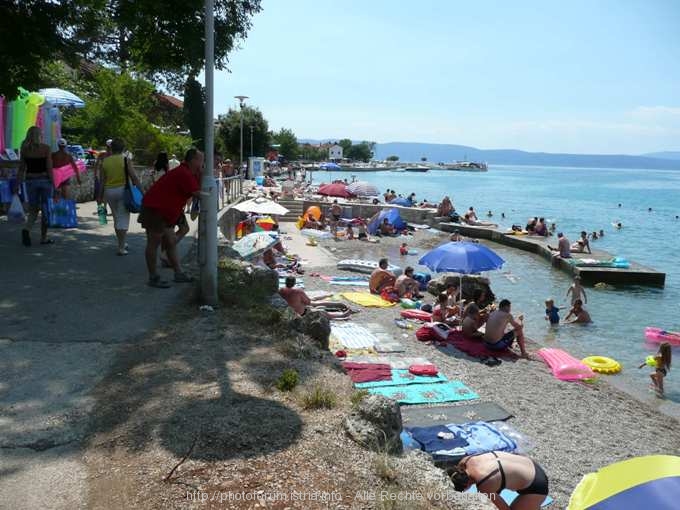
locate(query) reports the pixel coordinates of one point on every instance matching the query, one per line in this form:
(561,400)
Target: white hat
(109,142)
(62,142)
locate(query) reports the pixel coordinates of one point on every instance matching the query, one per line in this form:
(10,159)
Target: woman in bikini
(494,471)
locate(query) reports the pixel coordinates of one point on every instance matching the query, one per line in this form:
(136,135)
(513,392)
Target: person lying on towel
(492,472)
(381,277)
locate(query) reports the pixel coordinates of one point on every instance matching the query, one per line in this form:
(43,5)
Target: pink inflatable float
(564,366)
(658,335)
(417,314)
(62,173)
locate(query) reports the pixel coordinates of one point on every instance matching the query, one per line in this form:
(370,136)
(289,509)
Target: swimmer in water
(503,215)
(618,225)
(489,214)
(601,233)
(650,209)
(619,205)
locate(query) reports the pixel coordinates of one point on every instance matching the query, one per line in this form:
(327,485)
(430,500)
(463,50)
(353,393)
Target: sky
(580,76)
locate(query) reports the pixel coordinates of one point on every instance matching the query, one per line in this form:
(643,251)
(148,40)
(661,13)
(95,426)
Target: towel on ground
(432,393)
(366,299)
(402,377)
(353,336)
(437,438)
(365,372)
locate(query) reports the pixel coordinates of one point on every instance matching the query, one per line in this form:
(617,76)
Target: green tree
(288,144)
(194,111)
(229,132)
(310,152)
(37,31)
(423,158)
(360,152)
(392,158)
(346,145)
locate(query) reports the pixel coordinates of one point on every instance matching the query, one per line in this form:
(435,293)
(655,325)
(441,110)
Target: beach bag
(16,214)
(61,213)
(131,196)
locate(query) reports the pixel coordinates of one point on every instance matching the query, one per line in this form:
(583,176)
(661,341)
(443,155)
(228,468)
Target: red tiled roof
(172,101)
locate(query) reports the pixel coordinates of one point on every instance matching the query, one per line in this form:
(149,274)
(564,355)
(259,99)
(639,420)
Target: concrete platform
(636,274)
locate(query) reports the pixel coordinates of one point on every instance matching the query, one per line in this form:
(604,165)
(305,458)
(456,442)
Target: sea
(575,199)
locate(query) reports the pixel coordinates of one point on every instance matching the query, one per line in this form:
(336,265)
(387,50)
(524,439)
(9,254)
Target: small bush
(384,468)
(288,380)
(358,396)
(318,398)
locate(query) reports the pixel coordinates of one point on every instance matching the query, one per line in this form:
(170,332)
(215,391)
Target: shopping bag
(15,214)
(61,213)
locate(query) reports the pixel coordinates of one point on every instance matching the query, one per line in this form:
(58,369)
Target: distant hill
(412,152)
(674,155)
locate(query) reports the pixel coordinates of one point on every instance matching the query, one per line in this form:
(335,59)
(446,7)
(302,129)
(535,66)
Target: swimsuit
(504,343)
(539,485)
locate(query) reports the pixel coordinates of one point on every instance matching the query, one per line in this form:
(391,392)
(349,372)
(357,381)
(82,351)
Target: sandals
(155,281)
(184,278)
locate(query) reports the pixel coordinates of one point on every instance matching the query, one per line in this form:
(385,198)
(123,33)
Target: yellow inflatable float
(602,364)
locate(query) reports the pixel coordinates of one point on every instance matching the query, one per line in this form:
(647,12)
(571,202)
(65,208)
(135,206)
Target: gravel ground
(574,428)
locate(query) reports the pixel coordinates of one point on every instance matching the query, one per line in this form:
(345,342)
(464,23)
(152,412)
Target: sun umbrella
(59,97)
(254,244)
(401,201)
(264,224)
(363,189)
(335,189)
(261,206)
(461,257)
(330,166)
(641,482)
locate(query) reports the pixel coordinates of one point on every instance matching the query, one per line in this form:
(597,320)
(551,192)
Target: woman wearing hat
(63,158)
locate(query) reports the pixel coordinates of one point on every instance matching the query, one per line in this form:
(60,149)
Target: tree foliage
(229,132)
(194,111)
(360,152)
(309,152)
(288,144)
(392,158)
(346,145)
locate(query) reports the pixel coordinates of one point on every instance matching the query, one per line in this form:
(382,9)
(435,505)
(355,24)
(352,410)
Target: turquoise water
(576,199)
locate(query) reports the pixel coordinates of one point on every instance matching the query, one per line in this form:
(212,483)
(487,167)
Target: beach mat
(433,393)
(392,361)
(510,496)
(353,336)
(442,415)
(348,283)
(386,341)
(318,294)
(400,378)
(476,348)
(366,299)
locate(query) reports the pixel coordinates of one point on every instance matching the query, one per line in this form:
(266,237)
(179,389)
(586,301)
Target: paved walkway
(65,309)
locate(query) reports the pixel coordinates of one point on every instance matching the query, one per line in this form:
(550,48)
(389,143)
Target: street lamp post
(241,100)
(251,141)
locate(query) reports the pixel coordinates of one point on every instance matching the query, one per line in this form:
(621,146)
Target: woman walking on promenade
(113,177)
(36,170)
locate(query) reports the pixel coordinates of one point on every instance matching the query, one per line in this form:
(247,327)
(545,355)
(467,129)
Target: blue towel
(401,377)
(510,496)
(433,393)
(482,437)
(430,438)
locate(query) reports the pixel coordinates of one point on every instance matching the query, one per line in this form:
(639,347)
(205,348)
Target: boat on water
(466,166)
(417,168)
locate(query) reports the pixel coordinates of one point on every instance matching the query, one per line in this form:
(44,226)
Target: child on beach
(551,312)
(350,232)
(363,231)
(581,316)
(661,363)
(577,292)
(403,250)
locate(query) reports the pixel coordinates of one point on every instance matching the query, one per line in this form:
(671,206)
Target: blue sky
(580,76)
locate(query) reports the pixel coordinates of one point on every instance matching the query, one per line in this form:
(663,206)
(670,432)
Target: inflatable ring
(602,364)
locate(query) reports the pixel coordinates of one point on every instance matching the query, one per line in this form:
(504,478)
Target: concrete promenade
(66,310)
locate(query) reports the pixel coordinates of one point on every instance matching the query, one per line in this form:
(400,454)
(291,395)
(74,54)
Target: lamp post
(251,141)
(241,100)
(207,224)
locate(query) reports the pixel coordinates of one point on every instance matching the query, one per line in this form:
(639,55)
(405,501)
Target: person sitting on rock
(407,286)
(381,277)
(297,299)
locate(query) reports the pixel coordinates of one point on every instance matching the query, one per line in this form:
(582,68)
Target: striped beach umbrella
(254,244)
(363,189)
(642,482)
(59,97)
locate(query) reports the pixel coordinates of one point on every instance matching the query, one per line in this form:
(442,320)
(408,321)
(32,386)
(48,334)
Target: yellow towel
(366,299)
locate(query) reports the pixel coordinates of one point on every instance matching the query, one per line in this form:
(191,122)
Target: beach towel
(481,437)
(65,172)
(366,299)
(432,393)
(353,336)
(365,372)
(510,496)
(437,438)
(615,262)
(299,283)
(476,347)
(397,361)
(461,413)
(401,378)
(318,294)
(318,234)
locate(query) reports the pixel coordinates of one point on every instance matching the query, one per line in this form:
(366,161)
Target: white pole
(207,246)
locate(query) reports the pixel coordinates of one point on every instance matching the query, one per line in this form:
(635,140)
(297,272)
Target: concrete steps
(295,208)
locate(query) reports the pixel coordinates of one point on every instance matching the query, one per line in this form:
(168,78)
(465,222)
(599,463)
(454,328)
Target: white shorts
(115,197)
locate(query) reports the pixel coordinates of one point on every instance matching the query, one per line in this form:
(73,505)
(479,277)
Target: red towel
(423,369)
(367,372)
(475,346)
